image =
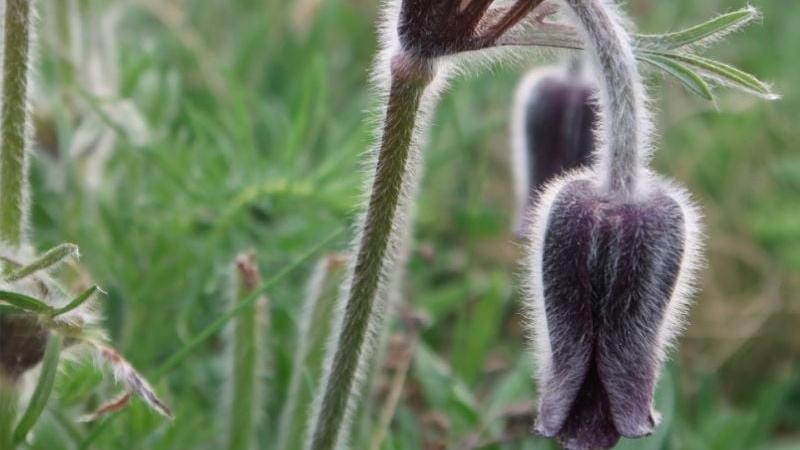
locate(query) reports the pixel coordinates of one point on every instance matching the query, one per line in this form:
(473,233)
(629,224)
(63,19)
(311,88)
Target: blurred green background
(173,134)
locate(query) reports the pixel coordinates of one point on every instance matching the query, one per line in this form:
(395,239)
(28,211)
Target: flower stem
(245,399)
(315,331)
(376,255)
(622,92)
(14,123)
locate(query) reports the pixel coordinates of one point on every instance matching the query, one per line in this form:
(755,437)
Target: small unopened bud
(22,343)
(552,130)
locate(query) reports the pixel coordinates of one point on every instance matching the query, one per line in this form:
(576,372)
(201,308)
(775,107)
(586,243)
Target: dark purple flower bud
(610,267)
(434,28)
(22,344)
(554,120)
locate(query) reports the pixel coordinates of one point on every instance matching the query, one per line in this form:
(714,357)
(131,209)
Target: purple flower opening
(610,267)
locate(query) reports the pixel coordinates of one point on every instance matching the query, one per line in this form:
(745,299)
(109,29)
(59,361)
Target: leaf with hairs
(713,29)
(24,302)
(50,258)
(680,72)
(720,72)
(76,302)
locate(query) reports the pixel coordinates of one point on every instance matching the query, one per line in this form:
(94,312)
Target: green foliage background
(255,126)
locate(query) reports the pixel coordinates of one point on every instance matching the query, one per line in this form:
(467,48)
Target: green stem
(14,123)
(315,331)
(374,257)
(246,351)
(9,397)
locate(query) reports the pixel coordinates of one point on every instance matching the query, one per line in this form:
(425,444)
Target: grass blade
(44,388)
(218,324)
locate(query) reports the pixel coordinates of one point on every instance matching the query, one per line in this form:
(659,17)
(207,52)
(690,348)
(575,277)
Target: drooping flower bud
(552,132)
(613,253)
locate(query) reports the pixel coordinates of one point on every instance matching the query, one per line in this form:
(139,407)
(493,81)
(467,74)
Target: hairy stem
(14,123)
(314,333)
(374,258)
(246,349)
(622,94)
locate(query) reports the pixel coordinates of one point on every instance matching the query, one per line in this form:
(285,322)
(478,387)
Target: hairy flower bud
(22,343)
(610,266)
(552,129)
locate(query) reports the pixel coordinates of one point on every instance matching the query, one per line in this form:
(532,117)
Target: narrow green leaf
(721,72)
(49,259)
(8,309)
(686,76)
(712,29)
(24,302)
(43,390)
(76,302)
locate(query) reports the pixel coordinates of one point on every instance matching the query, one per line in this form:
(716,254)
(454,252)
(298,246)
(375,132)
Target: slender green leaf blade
(76,302)
(680,72)
(726,74)
(50,258)
(24,302)
(44,388)
(713,29)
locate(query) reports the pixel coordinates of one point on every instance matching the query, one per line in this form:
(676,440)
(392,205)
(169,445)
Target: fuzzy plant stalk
(13,171)
(14,125)
(313,334)
(247,348)
(420,40)
(375,257)
(552,127)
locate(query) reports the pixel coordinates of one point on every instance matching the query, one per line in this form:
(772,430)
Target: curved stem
(622,93)
(14,123)
(374,258)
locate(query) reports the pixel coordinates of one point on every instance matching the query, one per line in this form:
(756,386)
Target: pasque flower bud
(613,253)
(552,129)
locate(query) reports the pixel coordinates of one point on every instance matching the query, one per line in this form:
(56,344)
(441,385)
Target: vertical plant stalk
(13,168)
(375,260)
(14,123)
(246,352)
(315,331)
(9,397)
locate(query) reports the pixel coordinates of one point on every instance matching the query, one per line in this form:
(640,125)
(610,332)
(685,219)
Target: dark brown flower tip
(434,28)
(609,269)
(22,343)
